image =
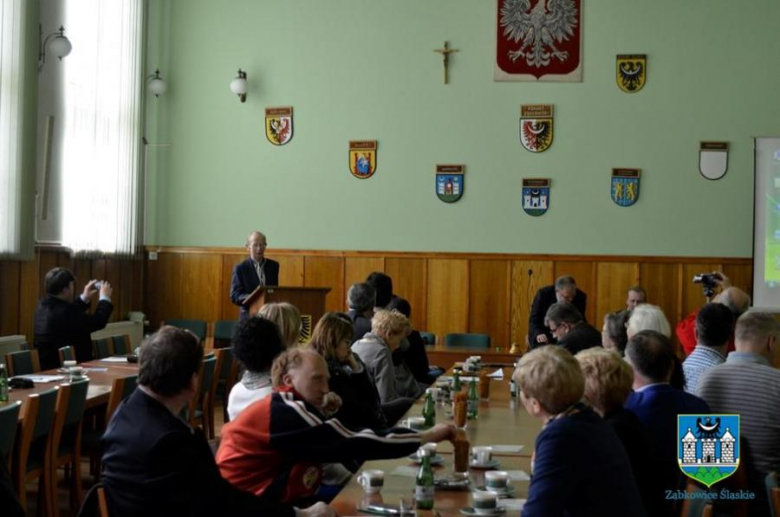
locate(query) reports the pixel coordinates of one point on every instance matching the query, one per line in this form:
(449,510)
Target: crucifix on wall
(445,54)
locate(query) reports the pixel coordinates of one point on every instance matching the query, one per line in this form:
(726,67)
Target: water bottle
(3,384)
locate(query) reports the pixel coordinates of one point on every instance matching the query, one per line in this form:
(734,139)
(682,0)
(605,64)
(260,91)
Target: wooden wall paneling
(357,269)
(662,283)
(163,296)
(125,288)
(448,296)
(201,284)
(489,300)
(228,311)
(138,285)
(692,294)
(584,272)
(522,291)
(613,280)
(740,275)
(10,281)
(326,272)
(291,270)
(410,281)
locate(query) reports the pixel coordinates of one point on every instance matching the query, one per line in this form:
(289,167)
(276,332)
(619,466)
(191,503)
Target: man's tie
(260,273)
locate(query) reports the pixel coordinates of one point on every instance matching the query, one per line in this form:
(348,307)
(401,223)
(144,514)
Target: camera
(99,284)
(708,281)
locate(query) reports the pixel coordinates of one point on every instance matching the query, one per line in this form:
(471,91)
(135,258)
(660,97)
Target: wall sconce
(60,46)
(239,85)
(156,84)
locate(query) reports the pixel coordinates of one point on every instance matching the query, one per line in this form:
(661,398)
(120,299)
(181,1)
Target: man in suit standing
(564,290)
(255,271)
(657,404)
(62,321)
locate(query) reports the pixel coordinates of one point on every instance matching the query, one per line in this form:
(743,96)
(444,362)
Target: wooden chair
(67,353)
(22,363)
(198,410)
(102,503)
(773,494)
(467,341)
(122,345)
(228,371)
(223,333)
(91,444)
(103,348)
(66,438)
(34,449)
(9,420)
(197,327)
(95,503)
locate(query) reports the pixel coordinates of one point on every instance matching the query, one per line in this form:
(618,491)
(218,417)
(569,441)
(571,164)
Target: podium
(309,300)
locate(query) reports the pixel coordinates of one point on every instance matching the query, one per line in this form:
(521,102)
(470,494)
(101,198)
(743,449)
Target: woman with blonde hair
(608,382)
(287,317)
(577,458)
(349,379)
(388,328)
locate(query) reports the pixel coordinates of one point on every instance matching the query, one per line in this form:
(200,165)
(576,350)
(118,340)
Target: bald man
(737,300)
(255,271)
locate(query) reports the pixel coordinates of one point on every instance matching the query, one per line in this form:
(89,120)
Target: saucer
(492,464)
(471,511)
(435,460)
(509,491)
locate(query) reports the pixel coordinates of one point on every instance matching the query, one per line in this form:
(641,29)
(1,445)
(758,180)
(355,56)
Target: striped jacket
(276,447)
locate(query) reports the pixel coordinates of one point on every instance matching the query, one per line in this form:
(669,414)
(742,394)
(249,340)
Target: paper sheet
(518,475)
(404,471)
(114,359)
(498,374)
(511,504)
(43,378)
(508,449)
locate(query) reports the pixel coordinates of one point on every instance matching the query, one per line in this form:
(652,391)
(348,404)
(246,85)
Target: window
(100,167)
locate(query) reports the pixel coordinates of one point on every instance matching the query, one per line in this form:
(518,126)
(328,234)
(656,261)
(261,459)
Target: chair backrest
(224,329)
(226,363)
(23,362)
(103,348)
(122,345)
(69,415)
(773,494)
(47,406)
(429,338)
(67,353)
(197,327)
(36,424)
(467,340)
(9,420)
(206,380)
(121,388)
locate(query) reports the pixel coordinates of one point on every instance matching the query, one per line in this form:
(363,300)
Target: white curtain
(102,127)
(12,60)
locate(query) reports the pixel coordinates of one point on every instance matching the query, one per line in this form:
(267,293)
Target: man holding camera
(737,300)
(62,321)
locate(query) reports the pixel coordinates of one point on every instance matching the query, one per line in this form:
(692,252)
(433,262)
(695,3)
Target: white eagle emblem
(538,29)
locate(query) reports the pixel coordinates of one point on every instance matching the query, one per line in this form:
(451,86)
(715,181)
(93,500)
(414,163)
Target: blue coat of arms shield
(625,186)
(536,196)
(708,448)
(449,182)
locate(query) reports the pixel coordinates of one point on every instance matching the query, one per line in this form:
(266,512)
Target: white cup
(481,455)
(415,423)
(484,503)
(496,480)
(372,481)
(76,373)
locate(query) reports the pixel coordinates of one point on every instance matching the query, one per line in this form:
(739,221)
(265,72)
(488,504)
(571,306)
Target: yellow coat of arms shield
(631,72)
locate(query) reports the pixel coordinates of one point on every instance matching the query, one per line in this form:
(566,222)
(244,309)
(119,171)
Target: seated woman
(608,381)
(348,376)
(287,317)
(613,334)
(256,343)
(393,383)
(412,349)
(580,467)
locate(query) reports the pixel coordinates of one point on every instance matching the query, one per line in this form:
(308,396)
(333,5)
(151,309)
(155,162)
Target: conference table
(101,375)
(502,422)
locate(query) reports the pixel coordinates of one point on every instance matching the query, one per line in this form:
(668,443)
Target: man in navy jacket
(255,271)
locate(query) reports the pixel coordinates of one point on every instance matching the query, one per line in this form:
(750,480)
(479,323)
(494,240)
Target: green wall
(364,69)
